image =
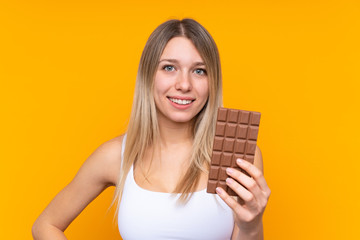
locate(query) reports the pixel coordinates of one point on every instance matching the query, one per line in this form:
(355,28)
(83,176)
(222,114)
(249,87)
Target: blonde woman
(160,166)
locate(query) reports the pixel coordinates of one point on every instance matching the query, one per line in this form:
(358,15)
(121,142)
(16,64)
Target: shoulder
(111,148)
(106,161)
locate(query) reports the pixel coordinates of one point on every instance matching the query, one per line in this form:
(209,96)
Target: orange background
(67,72)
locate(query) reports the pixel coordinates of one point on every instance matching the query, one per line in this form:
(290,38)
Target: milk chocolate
(235,137)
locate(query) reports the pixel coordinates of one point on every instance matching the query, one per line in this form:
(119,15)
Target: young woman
(160,166)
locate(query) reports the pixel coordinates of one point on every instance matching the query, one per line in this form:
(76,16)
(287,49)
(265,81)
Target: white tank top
(148,215)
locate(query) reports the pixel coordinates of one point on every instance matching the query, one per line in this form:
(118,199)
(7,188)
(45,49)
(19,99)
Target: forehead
(182,49)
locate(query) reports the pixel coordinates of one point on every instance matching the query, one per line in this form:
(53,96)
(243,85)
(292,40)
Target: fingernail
(218,190)
(229,171)
(229,181)
(239,161)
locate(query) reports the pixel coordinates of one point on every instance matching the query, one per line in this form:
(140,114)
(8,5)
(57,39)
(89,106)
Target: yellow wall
(67,72)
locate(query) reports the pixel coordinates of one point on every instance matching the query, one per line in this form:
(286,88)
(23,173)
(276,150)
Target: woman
(160,166)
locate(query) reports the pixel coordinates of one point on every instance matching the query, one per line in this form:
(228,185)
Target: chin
(181,119)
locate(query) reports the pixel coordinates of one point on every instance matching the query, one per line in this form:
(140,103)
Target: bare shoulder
(258,160)
(106,160)
(111,147)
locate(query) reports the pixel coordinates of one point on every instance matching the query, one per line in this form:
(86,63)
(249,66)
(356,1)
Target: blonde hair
(143,129)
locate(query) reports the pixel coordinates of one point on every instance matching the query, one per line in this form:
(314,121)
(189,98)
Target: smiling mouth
(181,101)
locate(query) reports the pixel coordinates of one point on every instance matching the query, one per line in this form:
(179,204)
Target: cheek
(160,89)
(161,83)
(158,86)
(204,89)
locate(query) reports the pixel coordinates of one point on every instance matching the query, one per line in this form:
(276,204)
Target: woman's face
(181,86)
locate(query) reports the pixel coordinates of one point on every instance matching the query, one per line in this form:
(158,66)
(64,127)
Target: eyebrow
(176,61)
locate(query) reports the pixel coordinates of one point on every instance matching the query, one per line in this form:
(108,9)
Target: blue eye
(200,71)
(169,68)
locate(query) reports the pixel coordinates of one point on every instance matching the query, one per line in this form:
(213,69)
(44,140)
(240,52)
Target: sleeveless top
(144,214)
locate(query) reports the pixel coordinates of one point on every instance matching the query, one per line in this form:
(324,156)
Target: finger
(249,198)
(249,183)
(231,202)
(255,173)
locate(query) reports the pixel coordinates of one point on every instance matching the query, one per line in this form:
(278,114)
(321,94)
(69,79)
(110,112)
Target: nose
(183,82)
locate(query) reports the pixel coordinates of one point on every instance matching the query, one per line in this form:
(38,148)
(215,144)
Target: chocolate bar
(235,137)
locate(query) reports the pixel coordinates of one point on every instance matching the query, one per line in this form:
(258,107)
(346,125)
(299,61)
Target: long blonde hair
(143,129)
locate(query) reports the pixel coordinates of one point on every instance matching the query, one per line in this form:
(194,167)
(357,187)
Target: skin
(182,77)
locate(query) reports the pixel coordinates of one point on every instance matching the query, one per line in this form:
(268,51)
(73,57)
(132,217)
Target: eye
(169,68)
(200,71)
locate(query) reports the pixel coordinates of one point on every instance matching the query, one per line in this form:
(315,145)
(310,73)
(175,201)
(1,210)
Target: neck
(175,134)
(172,133)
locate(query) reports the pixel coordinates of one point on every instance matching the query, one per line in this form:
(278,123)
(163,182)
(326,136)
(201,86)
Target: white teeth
(179,101)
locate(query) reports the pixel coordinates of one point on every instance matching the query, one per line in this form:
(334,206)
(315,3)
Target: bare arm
(98,172)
